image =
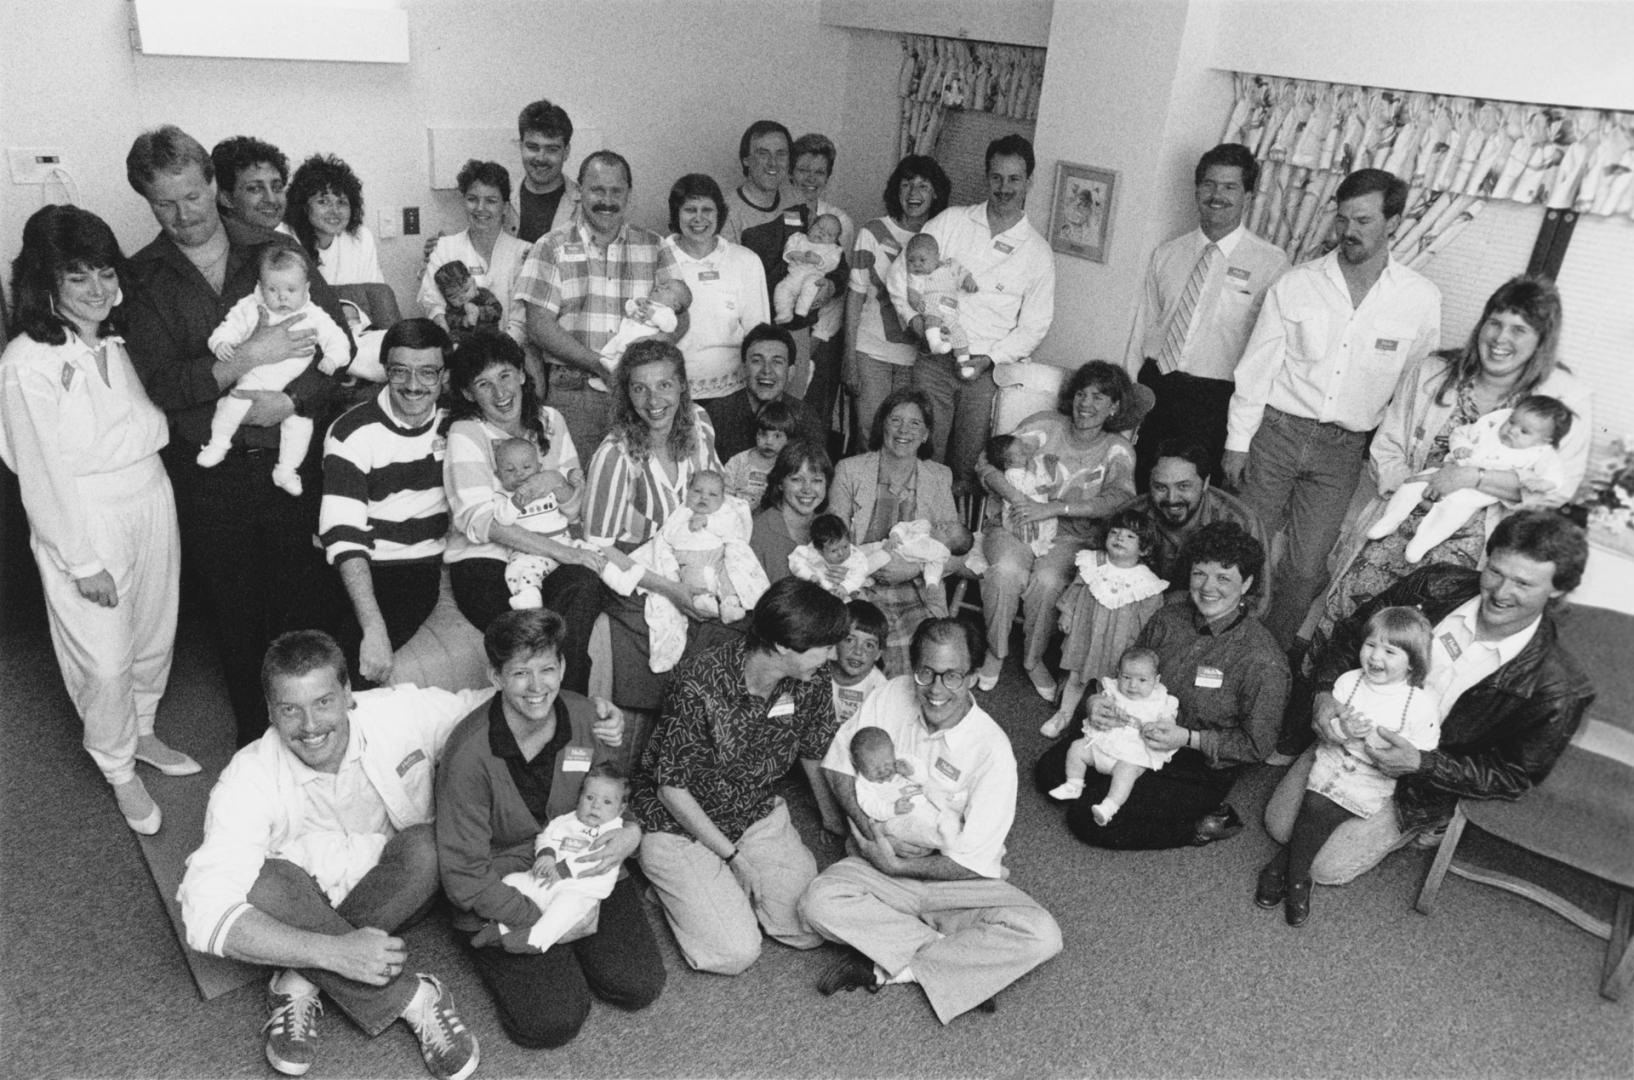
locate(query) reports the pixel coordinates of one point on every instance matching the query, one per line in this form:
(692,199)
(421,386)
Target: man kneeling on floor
(318,848)
(945,919)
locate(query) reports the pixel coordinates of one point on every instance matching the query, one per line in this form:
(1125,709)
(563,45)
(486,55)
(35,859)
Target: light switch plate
(33,164)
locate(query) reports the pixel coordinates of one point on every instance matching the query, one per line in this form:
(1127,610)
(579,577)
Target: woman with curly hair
(325,209)
(638,478)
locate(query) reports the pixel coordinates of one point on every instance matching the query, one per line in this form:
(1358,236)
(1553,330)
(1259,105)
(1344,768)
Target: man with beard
(249,540)
(571,291)
(546,199)
(1315,377)
(1179,500)
(768,352)
(945,919)
(1005,319)
(1203,293)
(250,180)
(383,522)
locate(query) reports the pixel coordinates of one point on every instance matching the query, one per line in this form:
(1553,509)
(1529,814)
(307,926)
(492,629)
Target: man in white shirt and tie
(1203,292)
(1318,371)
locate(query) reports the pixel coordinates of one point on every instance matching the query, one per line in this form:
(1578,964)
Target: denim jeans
(964,414)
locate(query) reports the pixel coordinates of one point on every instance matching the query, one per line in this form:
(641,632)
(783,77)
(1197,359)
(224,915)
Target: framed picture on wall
(1081,215)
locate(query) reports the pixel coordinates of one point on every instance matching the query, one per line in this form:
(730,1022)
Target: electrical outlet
(33,164)
(411,221)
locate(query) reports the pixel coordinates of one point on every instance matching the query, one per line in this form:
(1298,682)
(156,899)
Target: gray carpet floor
(1169,969)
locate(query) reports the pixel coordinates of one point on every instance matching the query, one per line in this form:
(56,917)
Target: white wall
(670,85)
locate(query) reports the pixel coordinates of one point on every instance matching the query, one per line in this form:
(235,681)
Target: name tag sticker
(1238,273)
(1450,643)
(1385,344)
(1003,247)
(439,448)
(574,843)
(783,707)
(410,761)
(572,252)
(709,275)
(1209,678)
(577,759)
(947,768)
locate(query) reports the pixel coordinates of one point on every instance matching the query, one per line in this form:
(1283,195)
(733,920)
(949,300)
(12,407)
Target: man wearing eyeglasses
(943,919)
(384,514)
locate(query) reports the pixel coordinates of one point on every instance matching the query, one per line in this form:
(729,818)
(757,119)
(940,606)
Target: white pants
(795,294)
(1445,517)
(562,904)
(294,432)
(116,661)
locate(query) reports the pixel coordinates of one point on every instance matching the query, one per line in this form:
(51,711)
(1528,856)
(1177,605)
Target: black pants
(1162,811)
(573,592)
(826,357)
(1187,408)
(250,543)
(543,998)
(405,592)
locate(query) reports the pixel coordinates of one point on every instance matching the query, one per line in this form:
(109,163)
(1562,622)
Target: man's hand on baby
(270,343)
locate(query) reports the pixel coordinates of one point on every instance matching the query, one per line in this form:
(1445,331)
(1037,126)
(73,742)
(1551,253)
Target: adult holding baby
(896,482)
(515,763)
(491,255)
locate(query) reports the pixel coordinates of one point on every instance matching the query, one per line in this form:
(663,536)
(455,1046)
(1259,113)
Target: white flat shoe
(1054,727)
(140,811)
(169,761)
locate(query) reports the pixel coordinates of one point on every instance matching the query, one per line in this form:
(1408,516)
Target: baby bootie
(527,598)
(213,455)
(1068,791)
(287,479)
(1055,725)
(1103,811)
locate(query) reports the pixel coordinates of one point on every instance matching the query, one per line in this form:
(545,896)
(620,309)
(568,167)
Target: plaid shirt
(585,286)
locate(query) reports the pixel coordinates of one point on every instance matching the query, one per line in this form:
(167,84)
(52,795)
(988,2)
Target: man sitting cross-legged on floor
(318,848)
(944,919)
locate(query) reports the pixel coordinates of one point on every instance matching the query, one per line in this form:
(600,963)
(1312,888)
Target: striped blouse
(626,501)
(468,474)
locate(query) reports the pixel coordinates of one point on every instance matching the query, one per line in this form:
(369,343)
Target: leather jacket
(1503,734)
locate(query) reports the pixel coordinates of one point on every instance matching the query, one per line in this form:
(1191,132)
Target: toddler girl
(554,883)
(747,470)
(810,256)
(1121,753)
(1103,611)
(1384,694)
(282,294)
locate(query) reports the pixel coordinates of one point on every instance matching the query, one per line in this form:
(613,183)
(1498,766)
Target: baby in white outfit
(283,294)
(934,285)
(1521,440)
(1121,753)
(890,791)
(810,256)
(1039,477)
(656,313)
(516,461)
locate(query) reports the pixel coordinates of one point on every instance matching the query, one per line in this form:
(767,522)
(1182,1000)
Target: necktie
(1180,326)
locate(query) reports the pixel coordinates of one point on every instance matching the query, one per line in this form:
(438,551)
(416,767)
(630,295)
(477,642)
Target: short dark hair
(301,652)
(415,334)
(1111,380)
(1229,545)
(521,634)
(759,128)
(470,359)
(609,157)
(1137,522)
(917,167)
(547,119)
(1544,536)
(491,173)
(943,631)
(776,416)
(796,455)
(868,619)
(998,446)
(318,174)
(797,615)
(608,770)
(813,144)
(1230,155)
(695,185)
(766,332)
(1009,146)
(166,149)
(1367,181)
(905,395)
(869,737)
(828,529)
(232,156)
(1557,412)
(1186,449)
(57,240)
(452,274)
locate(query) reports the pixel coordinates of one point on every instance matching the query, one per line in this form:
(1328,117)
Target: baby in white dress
(1121,753)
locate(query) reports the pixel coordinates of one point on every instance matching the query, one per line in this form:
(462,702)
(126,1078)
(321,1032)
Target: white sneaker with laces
(449,1049)
(292,1029)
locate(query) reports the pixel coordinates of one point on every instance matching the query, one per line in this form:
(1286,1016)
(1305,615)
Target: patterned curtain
(942,73)
(1455,154)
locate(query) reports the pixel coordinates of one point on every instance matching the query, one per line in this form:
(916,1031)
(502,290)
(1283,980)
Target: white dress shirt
(1458,661)
(1226,308)
(1315,355)
(352,258)
(1014,304)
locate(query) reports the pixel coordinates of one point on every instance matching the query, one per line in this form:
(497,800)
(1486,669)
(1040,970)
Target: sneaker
(448,1048)
(853,971)
(292,1029)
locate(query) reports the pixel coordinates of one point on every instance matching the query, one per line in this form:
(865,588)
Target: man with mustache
(383,522)
(1315,377)
(768,352)
(570,294)
(1005,318)
(246,538)
(547,199)
(251,176)
(1203,292)
(1180,499)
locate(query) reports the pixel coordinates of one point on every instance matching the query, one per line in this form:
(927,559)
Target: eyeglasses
(951,680)
(908,425)
(402,376)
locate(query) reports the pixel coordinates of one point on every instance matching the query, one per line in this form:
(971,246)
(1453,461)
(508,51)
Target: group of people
(765,605)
